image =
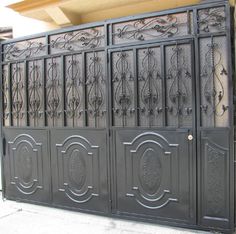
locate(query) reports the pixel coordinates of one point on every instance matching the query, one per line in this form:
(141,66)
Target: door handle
(190,137)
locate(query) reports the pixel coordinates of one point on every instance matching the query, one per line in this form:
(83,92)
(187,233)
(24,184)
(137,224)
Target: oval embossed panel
(25,164)
(150,171)
(77,169)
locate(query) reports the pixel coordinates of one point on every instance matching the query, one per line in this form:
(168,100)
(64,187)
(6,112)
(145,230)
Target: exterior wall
(23,26)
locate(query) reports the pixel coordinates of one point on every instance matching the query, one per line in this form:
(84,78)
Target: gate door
(153,130)
(126,117)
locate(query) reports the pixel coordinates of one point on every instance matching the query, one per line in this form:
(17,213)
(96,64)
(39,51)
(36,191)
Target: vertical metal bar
(44,91)
(10,93)
(2,143)
(135,61)
(84,89)
(109,154)
(163,80)
(63,108)
(198,117)
(189,22)
(48,49)
(231,68)
(110,35)
(26,93)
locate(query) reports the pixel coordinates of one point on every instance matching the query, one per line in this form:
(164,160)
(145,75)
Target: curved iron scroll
(150,90)
(165,26)
(53,85)
(23,50)
(35,99)
(17,94)
(211,19)
(95,92)
(213,90)
(123,94)
(5,90)
(90,38)
(73,83)
(178,92)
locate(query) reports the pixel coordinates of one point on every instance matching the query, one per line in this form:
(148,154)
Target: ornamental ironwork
(123,94)
(73,84)
(150,81)
(211,20)
(53,87)
(152,28)
(77,40)
(179,93)
(17,94)
(95,82)
(34,94)
(213,88)
(25,49)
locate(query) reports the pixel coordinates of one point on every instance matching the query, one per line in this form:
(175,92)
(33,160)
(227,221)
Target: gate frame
(108,47)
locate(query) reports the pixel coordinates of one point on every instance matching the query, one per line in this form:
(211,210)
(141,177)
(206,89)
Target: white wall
(23,26)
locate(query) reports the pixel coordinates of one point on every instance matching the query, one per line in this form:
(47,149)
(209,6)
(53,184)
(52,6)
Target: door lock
(190,137)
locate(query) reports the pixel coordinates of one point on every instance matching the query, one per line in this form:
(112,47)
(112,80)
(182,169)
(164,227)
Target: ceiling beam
(58,16)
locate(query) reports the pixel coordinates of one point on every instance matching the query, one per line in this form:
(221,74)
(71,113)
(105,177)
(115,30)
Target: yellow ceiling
(72,12)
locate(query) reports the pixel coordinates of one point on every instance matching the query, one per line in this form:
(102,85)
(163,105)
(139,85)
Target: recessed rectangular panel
(27,165)
(215,181)
(154,174)
(79,169)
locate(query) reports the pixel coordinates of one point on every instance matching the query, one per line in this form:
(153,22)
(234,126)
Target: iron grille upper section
(145,29)
(144,64)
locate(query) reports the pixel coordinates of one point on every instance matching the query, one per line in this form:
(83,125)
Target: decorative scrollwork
(73,83)
(94,83)
(150,92)
(211,18)
(123,93)
(213,89)
(71,41)
(17,97)
(5,90)
(151,28)
(178,91)
(35,99)
(53,85)
(23,50)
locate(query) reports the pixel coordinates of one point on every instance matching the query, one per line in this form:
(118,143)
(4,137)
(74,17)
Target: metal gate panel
(79,169)
(27,165)
(215,177)
(155,175)
(136,114)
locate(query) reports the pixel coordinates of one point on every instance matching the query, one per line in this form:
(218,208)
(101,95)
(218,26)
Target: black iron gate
(130,117)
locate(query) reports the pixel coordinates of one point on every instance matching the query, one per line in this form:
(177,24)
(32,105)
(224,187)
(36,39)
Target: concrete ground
(21,218)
